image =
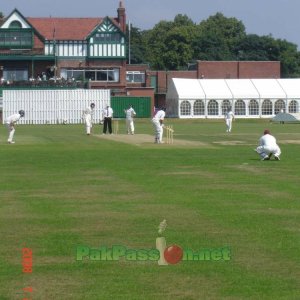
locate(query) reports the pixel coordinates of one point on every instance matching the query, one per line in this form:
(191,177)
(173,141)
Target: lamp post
(55,61)
(54,52)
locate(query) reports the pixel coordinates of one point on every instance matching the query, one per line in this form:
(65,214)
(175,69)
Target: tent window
(293,107)
(225,105)
(185,108)
(212,108)
(266,108)
(240,108)
(279,106)
(199,108)
(253,108)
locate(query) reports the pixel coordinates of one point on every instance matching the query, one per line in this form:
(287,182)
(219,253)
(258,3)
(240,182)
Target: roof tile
(64,28)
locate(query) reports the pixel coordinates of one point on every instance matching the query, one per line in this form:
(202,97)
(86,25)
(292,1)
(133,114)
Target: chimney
(1,18)
(122,16)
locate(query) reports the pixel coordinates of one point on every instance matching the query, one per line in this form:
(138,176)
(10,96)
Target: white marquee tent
(249,98)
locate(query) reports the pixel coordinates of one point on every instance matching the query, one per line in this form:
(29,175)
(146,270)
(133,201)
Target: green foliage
(169,43)
(290,59)
(217,37)
(257,48)
(137,46)
(172,45)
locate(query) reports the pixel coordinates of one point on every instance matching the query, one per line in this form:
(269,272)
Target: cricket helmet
(22,113)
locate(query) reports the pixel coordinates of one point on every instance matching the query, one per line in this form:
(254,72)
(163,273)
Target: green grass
(60,189)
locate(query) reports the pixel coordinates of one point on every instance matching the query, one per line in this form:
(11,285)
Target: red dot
(173,254)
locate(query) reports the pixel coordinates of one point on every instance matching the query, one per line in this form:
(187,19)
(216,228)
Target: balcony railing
(47,84)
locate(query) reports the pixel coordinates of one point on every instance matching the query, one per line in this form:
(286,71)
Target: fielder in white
(268,146)
(10,124)
(130,114)
(87,116)
(158,123)
(229,117)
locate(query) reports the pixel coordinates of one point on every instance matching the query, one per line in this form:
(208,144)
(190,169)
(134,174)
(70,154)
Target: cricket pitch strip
(147,139)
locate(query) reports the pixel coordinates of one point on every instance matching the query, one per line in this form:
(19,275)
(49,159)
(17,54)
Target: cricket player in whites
(87,117)
(130,114)
(268,146)
(10,124)
(158,123)
(229,117)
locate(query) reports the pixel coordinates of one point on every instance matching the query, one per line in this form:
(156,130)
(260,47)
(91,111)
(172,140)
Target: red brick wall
(238,69)
(163,77)
(38,44)
(217,69)
(259,69)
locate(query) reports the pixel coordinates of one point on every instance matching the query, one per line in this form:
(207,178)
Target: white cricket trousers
(130,126)
(158,130)
(228,125)
(88,124)
(264,151)
(11,132)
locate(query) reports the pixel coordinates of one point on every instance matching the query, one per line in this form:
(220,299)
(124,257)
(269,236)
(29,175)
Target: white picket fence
(54,106)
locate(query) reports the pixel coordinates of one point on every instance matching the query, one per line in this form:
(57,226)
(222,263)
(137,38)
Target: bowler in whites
(10,124)
(158,124)
(268,146)
(229,117)
(130,114)
(87,116)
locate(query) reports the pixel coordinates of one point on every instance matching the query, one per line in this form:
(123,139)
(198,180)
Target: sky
(279,18)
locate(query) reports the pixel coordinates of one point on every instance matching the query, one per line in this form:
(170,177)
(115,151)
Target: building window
(240,108)
(199,108)
(15,24)
(185,108)
(107,75)
(15,74)
(14,38)
(266,108)
(212,108)
(253,108)
(135,76)
(293,107)
(279,106)
(225,105)
(107,38)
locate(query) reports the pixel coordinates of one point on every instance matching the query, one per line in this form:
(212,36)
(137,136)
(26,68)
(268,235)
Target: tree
(290,59)
(168,44)
(137,45)
(171,45)
(217,37)
(257,48)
